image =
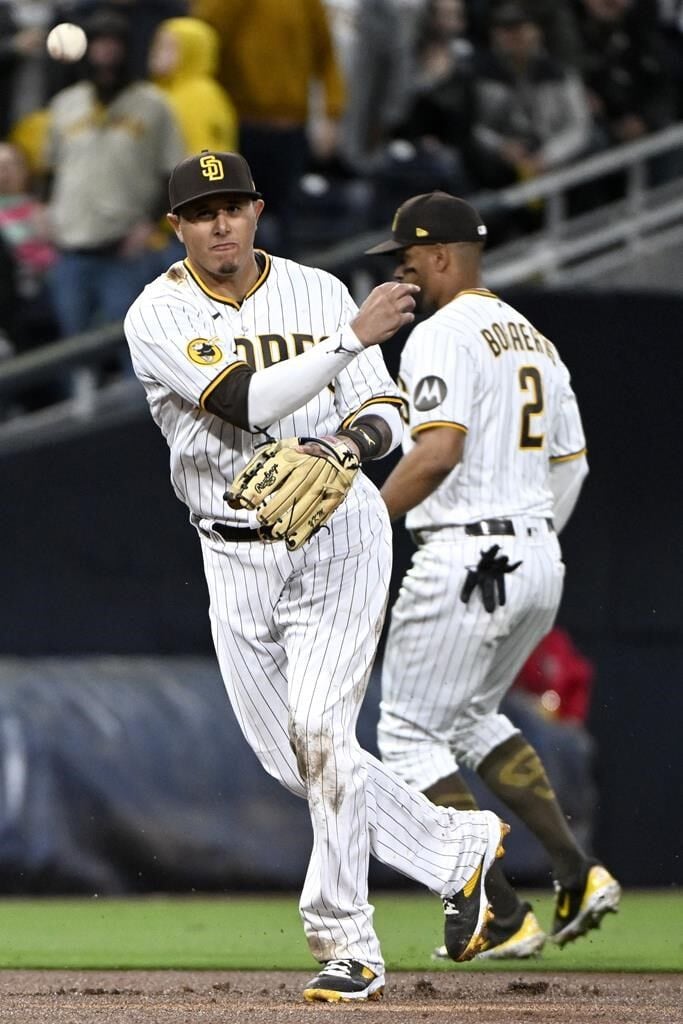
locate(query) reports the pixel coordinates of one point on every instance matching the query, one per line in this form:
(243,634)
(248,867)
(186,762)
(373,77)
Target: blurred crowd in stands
(343,108)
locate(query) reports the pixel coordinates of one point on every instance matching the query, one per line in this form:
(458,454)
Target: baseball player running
(494,459)
(267,384)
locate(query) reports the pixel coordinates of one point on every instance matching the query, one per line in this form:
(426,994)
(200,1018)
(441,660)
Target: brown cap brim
(390,246)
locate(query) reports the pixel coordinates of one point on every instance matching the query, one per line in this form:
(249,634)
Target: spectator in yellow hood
(183,59)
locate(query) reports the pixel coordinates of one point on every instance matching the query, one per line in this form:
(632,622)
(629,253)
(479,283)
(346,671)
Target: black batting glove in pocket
(489,575)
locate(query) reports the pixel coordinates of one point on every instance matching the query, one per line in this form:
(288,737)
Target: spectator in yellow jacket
(183,61)
(272,53)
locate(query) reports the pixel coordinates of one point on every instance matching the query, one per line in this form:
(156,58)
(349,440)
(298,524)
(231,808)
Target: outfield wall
(130,775)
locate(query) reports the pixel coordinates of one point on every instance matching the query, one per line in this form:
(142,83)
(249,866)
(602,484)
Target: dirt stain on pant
(313,754)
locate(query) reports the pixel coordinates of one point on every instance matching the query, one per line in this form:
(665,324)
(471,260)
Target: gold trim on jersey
(211,387)
(224,298)
(437,423)
(485,293)
(568,458)
(388,399)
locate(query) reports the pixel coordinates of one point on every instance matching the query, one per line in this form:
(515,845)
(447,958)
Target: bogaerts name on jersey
(517,336)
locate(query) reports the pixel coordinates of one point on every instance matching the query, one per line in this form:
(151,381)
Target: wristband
(368,438)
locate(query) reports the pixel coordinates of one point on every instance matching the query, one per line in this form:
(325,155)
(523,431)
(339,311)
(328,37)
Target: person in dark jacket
(532,111)
(624,67)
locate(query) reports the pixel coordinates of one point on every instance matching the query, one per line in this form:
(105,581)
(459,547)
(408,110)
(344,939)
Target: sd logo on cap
(209,174)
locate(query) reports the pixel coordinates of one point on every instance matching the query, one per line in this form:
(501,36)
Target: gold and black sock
(515,773)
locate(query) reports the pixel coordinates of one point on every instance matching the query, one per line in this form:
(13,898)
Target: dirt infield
(213,997)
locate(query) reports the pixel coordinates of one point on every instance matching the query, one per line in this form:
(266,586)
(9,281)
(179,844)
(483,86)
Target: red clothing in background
(559,675)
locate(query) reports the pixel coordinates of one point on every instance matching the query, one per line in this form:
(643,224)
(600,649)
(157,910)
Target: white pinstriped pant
(296,634)
(447,665)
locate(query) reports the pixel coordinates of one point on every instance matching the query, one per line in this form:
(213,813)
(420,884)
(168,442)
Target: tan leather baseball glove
(293,491)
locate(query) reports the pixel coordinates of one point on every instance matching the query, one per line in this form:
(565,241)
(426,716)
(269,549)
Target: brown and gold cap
(209,174)
(431,218)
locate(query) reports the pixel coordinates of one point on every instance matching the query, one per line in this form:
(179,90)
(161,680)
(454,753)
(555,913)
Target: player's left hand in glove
(295,485)
(489,575)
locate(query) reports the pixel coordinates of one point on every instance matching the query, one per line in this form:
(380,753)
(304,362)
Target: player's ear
(258,208)
(174,220)
(440,256)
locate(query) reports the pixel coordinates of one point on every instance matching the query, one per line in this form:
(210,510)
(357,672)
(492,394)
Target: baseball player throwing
(494,459)
(269,387)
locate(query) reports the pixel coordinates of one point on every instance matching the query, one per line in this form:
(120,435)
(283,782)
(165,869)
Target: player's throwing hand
(387,307)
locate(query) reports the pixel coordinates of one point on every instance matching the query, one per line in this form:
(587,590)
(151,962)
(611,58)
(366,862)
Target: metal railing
(42,363)
(566,249)
(72,367)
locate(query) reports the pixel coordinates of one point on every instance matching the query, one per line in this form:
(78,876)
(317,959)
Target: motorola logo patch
(429,393)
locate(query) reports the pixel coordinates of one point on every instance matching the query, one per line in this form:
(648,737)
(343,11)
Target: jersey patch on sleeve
(429,392)
(204,351)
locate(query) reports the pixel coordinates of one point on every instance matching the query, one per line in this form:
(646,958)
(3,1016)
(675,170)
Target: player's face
(218,233)
(415,266)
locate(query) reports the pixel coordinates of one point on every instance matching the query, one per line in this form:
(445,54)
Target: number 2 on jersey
(531,382)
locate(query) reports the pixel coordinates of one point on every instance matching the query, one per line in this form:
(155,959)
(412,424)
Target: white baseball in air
(67,42)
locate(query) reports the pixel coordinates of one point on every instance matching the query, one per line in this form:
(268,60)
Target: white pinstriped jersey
(184,338)
(479,366)
(296,631)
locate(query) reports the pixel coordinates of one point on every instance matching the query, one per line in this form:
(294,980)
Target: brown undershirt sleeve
(226,396)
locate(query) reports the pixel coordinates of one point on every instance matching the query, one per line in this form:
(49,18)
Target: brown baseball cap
(210,174)
(432,218)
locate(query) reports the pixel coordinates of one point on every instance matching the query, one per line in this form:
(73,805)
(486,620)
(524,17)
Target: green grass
(251,932)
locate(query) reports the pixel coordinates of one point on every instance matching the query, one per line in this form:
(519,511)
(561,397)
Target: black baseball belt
(498,528)
(233,533)
(483,528)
